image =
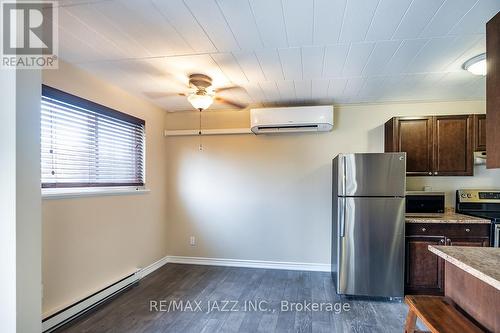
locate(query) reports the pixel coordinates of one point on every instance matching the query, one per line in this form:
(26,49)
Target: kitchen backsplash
(482,179)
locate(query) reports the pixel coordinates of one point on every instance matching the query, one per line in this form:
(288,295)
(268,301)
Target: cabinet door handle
(420,236)
(430,173)
(435,172)
(441,241)
(467,230)
(424,230)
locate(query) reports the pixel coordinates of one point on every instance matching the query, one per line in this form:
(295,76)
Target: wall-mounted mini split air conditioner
(292,119)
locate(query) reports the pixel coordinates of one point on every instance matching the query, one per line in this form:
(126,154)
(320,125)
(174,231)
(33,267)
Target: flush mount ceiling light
(476,65)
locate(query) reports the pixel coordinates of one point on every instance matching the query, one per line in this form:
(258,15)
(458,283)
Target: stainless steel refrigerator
(368,224)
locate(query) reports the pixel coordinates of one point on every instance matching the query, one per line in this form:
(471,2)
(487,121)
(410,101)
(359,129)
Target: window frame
(79,102)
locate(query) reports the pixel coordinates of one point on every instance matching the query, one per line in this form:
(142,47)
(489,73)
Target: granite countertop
(448,217)
(481,262)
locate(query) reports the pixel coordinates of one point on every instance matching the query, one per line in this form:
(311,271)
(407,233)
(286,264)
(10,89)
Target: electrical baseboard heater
(75,310)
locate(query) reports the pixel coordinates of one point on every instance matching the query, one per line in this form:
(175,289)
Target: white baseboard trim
(151,268)
(297,266)
(71,312)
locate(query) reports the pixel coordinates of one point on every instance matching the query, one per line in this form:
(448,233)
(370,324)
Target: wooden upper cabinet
(412,135)
(493,92)
(434,145)
(453,145)
(479,132)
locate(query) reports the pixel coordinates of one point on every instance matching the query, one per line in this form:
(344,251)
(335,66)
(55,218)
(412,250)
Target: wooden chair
(439,314)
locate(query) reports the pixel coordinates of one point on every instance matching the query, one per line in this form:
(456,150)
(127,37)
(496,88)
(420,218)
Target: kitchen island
(472,281)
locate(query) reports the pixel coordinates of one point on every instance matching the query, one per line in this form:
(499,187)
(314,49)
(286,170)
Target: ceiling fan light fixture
(476,65)
(200,101)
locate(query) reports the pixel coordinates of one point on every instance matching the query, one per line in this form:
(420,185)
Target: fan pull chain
(200,147)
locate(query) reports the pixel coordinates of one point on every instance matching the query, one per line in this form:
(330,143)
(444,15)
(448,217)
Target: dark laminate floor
(130,312)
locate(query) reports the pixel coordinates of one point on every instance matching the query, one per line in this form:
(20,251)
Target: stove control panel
(489,195)
(479,196)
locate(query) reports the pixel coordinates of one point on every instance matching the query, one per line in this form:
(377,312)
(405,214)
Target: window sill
(66,193)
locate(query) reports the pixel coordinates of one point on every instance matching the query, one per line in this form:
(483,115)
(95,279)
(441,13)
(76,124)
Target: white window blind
(85,144)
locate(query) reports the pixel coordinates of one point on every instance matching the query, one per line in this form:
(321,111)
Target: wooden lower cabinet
(480,241)
(424,271)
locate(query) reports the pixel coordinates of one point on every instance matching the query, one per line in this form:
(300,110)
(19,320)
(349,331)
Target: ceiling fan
(203,94)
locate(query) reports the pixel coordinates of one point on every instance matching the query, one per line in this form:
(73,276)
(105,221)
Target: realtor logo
(29,38)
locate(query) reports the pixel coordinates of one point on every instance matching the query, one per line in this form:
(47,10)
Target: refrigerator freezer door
(372,174)
(371,247)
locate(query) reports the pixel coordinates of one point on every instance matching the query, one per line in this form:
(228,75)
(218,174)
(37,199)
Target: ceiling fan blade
(156,94)
(229,88)
(228,102)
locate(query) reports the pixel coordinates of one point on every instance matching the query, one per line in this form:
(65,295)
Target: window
(85,144)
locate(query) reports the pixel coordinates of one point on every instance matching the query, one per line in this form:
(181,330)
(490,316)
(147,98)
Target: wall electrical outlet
(192,241)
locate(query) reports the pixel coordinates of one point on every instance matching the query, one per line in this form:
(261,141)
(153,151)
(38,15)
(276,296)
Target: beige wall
(91,242)
(268,197)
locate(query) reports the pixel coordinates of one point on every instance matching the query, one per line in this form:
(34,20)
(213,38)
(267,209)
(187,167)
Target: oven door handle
(496,236)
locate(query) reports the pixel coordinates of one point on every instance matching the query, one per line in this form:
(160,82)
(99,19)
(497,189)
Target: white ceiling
(281,51)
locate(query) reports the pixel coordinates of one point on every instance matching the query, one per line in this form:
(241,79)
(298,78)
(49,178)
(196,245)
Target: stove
(484,204)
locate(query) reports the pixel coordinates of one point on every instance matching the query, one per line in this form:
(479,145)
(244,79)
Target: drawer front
(425,229)
(447,229)
(468,230)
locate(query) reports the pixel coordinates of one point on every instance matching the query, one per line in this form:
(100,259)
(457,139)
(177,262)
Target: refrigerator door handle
(342,217)
(344,175)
